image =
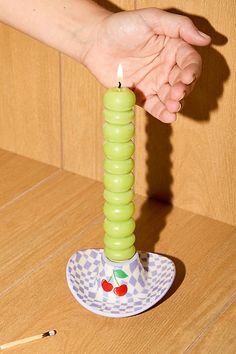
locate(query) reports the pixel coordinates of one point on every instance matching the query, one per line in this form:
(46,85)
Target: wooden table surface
(47,214)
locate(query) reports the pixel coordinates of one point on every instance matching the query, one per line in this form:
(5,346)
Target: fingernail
(204,35)
(180,106)
(182,96)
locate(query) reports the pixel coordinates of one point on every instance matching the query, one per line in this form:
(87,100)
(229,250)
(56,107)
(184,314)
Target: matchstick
(27,340)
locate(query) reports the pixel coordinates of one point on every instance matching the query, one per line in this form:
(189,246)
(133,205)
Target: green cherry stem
(110,278)
(115,278)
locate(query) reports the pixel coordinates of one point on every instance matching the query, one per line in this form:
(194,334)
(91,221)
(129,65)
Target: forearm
(62,24)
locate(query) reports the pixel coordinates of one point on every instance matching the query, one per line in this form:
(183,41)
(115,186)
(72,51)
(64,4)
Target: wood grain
(223,329)
(192,163)
(43,228)
(29,100)
(82,120)
(18,174)
(44,219)
(170,327)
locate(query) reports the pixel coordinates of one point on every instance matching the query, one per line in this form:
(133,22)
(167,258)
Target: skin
(155,50)
(155,47)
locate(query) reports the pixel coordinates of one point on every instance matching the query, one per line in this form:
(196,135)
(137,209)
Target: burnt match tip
(50,333)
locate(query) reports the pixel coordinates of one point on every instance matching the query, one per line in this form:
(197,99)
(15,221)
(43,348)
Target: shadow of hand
(209,88)
(198,106)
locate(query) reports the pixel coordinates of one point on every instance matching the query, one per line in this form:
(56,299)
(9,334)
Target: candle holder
(119,281)
(119,289)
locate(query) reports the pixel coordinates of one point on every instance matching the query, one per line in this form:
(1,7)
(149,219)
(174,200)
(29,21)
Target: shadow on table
(179,278)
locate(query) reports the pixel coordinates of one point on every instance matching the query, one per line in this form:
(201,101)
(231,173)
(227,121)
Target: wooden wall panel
(82,120)
(193,162)
(29,99)
(82,114)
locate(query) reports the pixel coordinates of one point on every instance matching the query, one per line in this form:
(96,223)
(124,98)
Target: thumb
(175,26)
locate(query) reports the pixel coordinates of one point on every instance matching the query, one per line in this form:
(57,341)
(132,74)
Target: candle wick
(119,86)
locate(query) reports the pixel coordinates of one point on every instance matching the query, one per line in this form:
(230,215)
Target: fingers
(156,108)
(179,90)
(175,26)
(182,78)
(164,95)
(174,75)
(171,96)
(190,63)
(173,106)
(168,101)
(187,76)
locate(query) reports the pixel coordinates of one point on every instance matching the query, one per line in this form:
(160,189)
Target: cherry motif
(121,290)
(106,285)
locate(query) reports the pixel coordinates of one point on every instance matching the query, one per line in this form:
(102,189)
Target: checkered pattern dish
(148,277)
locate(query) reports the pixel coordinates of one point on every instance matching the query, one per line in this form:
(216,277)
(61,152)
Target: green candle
(118,151)
(118,198)
(118,167)
(118,132)
(118,183)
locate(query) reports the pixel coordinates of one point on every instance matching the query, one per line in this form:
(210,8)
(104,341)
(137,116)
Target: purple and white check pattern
(149,278)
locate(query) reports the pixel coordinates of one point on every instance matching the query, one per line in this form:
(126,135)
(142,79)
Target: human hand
(155,49)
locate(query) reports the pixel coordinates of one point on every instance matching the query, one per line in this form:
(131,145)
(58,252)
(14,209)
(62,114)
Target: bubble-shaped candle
(118,132)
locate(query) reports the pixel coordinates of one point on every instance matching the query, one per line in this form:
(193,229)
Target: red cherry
(106,286)
(121,290)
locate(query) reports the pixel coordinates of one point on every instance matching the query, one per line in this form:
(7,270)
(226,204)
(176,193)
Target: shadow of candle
(198,106)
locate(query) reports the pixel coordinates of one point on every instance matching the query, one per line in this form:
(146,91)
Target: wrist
(82,26)
(68,26)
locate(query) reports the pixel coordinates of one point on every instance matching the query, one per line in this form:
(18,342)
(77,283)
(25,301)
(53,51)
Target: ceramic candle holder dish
(118,289)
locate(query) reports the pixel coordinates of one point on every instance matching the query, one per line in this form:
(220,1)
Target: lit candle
(118,132)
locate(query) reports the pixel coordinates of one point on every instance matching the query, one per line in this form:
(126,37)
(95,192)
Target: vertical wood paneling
(82,114)
(29,99)
(193,162)
(81,120)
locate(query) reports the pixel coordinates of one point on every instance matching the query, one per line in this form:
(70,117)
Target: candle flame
(120,73)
